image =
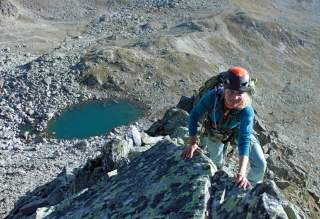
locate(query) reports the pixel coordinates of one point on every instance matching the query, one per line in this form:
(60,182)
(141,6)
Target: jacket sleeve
(246,124)
(205,104)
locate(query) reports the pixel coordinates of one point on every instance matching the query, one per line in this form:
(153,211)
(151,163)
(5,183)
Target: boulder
(229,201)
(82,145)
(186,103)
(182,133)
(173,118)
(261,131)
(149,140)
(90,80)
(115,153)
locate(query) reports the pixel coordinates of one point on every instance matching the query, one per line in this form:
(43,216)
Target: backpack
(216,81)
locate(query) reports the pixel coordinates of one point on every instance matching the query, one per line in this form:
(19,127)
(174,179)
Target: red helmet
(237,78)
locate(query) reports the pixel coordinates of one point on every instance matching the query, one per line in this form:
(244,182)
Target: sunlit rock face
(157,183)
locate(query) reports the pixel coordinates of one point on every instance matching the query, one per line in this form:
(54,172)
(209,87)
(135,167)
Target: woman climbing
(229,111)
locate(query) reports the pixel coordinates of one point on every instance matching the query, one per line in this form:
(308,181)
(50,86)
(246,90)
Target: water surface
(93,118)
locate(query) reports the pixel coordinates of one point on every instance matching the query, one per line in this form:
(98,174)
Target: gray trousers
(257,161)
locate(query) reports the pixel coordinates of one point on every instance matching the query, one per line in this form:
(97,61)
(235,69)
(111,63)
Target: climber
(229,111)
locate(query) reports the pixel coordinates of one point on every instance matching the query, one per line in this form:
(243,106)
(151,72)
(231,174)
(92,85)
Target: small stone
(136,136)
(270,174)
(26,135)
(56,154)
(47,81)
(82,145)
(29,111)
(143,25)
(112,173)
(1,83)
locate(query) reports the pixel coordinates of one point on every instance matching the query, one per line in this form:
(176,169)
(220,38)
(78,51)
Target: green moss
(291,189)
(293,195)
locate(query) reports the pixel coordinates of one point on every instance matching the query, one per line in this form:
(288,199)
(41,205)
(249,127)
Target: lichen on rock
(157,183)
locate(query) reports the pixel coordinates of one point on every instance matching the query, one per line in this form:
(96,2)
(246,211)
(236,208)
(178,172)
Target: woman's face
(233,98)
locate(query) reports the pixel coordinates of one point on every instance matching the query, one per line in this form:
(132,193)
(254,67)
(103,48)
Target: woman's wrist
(243,163)
(194,146)
(193,140)
(240,174)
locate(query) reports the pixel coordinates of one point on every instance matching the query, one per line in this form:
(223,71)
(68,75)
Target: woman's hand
(242,181)
(240,177)
(189,151)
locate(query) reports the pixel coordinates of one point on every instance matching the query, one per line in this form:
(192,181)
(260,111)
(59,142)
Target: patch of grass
(100,72)
(225,47)
(303,199)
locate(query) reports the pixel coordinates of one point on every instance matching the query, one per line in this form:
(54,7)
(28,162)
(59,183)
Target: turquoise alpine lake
(93,118)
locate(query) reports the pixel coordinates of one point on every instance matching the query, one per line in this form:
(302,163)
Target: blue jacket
(211,103)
